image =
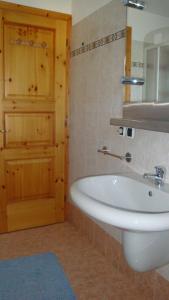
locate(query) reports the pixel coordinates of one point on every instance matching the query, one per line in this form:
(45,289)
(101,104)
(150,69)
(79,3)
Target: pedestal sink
(136,206)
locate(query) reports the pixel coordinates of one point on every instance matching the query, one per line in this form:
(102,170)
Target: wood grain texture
(31,214)
(21,186)
(29,129)
(33,134)
(33,77)
(66,183)
(128,62)
(3,200)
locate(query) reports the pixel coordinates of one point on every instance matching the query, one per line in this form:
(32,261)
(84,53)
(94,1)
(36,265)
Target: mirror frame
(147,116)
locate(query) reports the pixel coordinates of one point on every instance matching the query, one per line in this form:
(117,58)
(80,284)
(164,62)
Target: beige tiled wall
(152,285)
(96,96)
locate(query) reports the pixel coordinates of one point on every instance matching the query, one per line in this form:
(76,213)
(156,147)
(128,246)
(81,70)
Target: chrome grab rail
(139,4)
(105,151)
(132,80)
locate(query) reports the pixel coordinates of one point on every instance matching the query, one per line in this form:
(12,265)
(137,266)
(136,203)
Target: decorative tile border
(99,43)
(137,64)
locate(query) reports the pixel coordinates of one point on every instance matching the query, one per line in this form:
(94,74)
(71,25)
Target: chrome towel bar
(105,151)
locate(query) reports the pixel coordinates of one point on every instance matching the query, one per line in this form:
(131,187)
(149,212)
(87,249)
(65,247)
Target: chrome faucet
(158,177)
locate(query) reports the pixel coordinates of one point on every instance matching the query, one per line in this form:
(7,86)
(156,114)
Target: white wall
(144,22)
(96,96)
(83,8)
(64,6)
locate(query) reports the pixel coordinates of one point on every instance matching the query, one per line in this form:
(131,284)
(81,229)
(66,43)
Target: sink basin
(129,202)
(136,206)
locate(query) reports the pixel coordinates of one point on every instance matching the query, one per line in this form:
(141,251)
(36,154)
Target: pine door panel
(21,186)
(29,61)
(29,129)
(31,214)
(33,94)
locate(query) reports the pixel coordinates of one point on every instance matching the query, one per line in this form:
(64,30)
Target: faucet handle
(160,171)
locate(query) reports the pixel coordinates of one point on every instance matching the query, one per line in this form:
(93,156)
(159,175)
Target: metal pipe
(105,151)
(138,4)
(132,80)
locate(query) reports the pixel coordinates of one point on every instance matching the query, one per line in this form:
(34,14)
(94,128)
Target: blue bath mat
(38,277)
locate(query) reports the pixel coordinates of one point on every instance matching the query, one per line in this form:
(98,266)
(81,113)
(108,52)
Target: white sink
(128,202)
(136,206)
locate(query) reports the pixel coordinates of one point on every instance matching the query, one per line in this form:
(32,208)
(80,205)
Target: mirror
(147,59)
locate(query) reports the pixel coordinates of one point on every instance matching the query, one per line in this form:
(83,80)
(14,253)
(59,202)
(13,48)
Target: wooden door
(128,63)
(33,93)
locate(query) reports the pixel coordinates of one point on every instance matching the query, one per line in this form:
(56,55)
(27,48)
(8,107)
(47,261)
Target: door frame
(7,6)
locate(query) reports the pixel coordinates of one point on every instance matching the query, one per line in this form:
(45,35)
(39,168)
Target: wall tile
(145,283)
(96,96)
